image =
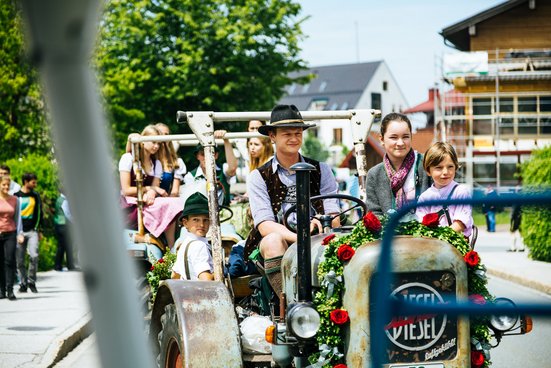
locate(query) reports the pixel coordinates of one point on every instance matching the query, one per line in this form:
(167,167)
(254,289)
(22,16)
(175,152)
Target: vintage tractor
(195,324)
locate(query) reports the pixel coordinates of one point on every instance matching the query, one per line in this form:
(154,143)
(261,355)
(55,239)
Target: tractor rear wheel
(170,341)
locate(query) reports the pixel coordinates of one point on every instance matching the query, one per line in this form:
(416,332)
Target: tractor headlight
(504,322)
(303,320)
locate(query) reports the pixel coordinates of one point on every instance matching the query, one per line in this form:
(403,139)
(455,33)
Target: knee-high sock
(272,268)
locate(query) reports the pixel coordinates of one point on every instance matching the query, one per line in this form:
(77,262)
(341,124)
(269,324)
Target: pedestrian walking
(62,219)
(11,231)
(14,187)
(490,209)
(516,219)
(31,216)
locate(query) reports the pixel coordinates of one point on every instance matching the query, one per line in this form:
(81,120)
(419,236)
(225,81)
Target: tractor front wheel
(170,341)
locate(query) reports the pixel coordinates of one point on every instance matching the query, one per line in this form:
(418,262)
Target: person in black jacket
(31,215)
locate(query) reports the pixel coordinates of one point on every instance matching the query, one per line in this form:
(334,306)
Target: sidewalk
(512,266)
(38,330)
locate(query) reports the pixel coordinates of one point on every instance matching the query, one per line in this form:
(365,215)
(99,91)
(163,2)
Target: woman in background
(160,210)
(174,168)
(260,151)
(11,233)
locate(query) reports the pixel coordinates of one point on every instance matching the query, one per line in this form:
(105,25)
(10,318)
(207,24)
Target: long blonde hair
(148,130)
(265,155)
(167,153)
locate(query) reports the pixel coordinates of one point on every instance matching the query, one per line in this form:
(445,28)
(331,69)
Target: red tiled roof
(452,98)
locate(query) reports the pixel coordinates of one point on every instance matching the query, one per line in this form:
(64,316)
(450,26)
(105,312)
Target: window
(506,105)
(507,171)
(334,106)
(323,85)
(527,104)
(337,136)
(344,105)
(318,104)
(385,85)
(305,88)
(376,101)
(482,106)
(527,123)
(506,126)
(484,172)
(545,104)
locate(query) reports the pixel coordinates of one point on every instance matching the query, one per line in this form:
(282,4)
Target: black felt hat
(284,116)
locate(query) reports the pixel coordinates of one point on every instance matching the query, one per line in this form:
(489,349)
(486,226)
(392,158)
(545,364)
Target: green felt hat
(196,204)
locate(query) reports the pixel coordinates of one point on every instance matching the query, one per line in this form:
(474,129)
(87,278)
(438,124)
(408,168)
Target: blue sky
(404,33)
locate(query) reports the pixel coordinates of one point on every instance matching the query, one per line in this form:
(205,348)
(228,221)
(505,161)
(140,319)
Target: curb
(67,341)
(536,285)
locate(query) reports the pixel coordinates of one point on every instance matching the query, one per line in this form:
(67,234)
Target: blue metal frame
(387,307)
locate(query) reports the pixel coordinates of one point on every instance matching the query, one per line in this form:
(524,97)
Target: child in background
(194,259)
(440,163)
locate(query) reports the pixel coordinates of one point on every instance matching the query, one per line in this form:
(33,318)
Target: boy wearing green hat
(194,259)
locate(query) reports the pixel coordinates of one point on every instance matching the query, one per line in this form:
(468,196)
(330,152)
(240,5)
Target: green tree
(313,148)
(158,57)
(22,123)
(536,221)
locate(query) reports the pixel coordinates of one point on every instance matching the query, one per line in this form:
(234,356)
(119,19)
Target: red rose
(340,366)
(152,268)
(339,316)
(327,239)
(477,299)
(477,359)
(431,220)
(372,223)
(472,258)
(345,252)
(162,260)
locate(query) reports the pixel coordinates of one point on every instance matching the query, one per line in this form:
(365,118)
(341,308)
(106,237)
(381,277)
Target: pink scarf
(398,178)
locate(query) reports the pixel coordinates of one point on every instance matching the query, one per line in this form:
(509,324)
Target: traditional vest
(147,179)
(278,192)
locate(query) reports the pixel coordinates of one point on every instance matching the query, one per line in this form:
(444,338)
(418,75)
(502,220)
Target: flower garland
(160,270)
(339,250)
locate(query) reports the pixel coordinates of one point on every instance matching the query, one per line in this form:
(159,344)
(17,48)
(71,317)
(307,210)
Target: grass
(503,217)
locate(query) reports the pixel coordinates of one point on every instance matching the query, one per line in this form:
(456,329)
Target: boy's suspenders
(186,263)
(445,207)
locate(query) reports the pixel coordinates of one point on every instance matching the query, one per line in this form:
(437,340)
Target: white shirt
(14,188)
(126,161)
(199,258)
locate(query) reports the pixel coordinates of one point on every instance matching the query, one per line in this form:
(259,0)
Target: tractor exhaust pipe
(303,231)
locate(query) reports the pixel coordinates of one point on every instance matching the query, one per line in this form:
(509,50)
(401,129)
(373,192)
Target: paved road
(526,351)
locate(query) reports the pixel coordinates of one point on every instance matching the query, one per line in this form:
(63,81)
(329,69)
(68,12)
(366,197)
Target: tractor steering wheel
(221,209)
(326,219)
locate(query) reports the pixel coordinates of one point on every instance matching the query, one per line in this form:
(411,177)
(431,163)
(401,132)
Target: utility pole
(497,125)
(357,42)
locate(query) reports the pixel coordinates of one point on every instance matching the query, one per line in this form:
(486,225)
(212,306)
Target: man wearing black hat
(272,189)
(223,176)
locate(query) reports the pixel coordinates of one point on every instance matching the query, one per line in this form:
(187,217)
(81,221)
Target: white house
(368,85)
